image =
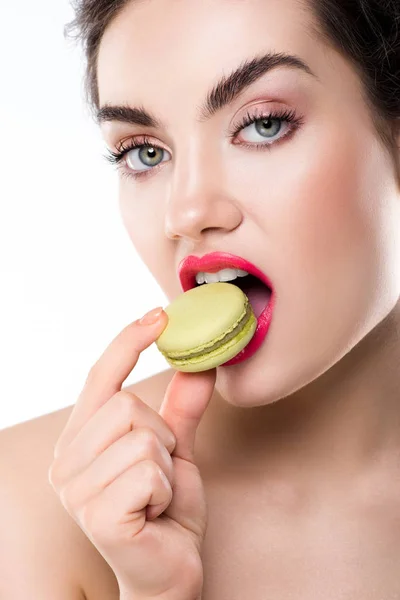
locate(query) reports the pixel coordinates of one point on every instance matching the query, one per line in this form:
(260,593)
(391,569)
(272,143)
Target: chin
(258,381)
(246,387)
(264,379)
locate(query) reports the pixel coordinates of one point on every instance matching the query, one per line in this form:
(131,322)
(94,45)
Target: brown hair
(366,32)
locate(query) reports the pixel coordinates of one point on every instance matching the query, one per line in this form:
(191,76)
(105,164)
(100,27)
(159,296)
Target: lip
(215,261)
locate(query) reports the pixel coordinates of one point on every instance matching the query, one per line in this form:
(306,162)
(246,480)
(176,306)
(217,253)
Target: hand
(126,473)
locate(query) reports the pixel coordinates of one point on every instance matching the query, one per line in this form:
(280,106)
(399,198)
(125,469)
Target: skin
(299,445)
(319,214)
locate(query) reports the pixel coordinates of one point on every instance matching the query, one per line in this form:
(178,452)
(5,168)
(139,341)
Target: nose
(198,202)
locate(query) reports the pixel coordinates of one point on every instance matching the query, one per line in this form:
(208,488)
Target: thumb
(185,401)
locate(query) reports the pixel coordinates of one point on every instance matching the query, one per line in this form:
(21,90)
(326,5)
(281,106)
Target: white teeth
(226,275)
(211,277)
(223,275)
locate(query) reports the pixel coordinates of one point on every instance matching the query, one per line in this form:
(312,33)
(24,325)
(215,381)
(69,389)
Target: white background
(69,273)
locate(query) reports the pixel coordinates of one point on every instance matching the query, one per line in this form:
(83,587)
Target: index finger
(107,375)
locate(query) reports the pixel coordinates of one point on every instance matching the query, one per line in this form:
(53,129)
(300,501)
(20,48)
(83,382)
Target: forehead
(164,46)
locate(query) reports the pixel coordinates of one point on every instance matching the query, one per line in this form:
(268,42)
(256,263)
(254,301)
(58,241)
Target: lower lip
(263,323)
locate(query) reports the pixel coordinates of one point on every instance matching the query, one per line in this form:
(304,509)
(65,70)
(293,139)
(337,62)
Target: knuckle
(149,440)
(153,473)
(155,451)
(90,520)
(53,475)
(129,442)
(68,499)
(168,461)
(95,524)
(127,404)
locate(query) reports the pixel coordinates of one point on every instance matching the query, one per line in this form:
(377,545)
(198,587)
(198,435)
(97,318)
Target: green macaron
(207,326)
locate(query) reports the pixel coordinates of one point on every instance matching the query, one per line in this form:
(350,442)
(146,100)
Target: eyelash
(288,116)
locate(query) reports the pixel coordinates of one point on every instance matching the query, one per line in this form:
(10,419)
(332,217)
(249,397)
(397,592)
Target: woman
(268,131)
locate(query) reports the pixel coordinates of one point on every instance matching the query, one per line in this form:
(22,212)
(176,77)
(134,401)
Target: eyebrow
(223,93)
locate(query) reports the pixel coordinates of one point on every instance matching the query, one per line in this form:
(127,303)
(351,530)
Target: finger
(120,510)
(136,446)
(109,372)
(122,413)
(186,399)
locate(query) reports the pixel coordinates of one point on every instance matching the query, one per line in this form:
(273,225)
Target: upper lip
(213,262)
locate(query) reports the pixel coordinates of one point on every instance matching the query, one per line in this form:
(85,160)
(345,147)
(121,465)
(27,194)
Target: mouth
(232,269)
(253,282)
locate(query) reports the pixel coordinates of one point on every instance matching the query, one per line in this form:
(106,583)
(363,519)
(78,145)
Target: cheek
(329,246)
(329,227)
(138,218)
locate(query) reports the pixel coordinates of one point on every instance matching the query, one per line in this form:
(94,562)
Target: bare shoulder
(39,538)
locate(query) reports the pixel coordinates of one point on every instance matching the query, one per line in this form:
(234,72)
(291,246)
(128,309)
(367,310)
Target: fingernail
(151,317)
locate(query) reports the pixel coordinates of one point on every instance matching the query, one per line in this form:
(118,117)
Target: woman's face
(316,209)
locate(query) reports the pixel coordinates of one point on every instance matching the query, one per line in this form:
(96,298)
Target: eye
(133,155)
(266,125)
(148,155)
(141,152)
(267,128)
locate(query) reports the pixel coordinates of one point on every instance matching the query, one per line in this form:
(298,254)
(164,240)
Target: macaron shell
(220,355)
(200,316)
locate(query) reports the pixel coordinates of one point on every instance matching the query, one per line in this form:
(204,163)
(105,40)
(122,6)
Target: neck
(340,425)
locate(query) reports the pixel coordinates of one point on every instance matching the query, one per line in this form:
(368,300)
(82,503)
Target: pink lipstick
(261,296)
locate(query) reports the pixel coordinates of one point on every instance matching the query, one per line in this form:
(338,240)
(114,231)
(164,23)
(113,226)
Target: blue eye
(149,153)
(267,122)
